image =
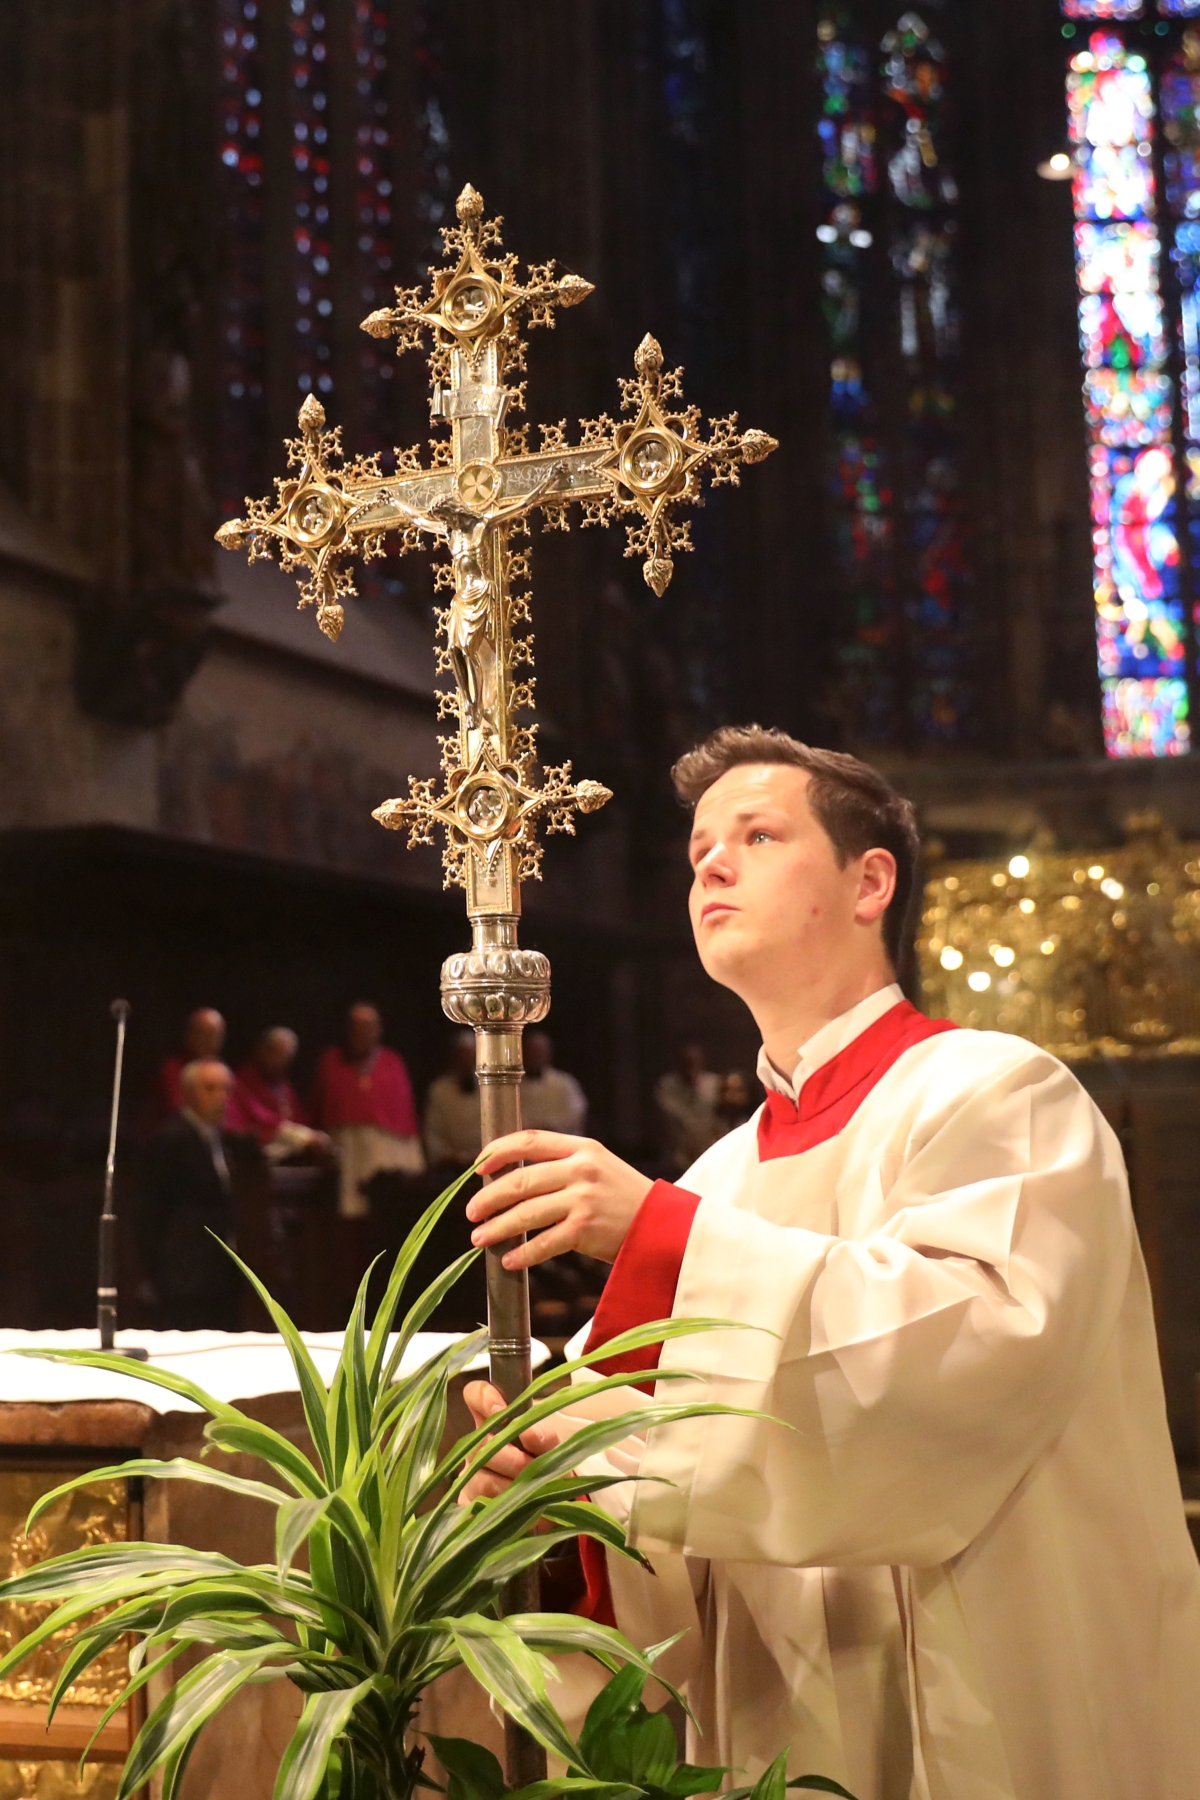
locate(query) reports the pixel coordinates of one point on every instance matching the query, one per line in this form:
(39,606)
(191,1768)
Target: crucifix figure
(474,498)
(469,639)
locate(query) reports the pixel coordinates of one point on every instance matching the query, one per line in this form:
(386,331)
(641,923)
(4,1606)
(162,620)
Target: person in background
(203,1040)
(551,1100)
(687,1098)
(187,1195)
(735,1103)
(264,1103)
(452,1131)
(363,1098)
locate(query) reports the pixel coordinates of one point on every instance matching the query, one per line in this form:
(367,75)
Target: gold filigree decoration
(472,497)
(1093,954)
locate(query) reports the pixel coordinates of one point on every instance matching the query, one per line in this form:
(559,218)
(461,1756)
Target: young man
(952,1564)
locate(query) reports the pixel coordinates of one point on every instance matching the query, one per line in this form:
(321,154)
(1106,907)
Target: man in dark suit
(187,1193)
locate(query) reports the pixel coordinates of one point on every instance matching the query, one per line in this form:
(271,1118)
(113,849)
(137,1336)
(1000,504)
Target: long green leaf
(293,1524)
(515,1676)
(560,1634)
(141,1676)
(100,1564)
(773,1782)
(323,1720)
(180,1468)
(313,1393)
(186,1708)
(411,1248)
(68,1613)
(417,1315)
(250,1438)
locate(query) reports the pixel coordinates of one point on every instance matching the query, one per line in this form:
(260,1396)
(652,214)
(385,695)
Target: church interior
(946,255)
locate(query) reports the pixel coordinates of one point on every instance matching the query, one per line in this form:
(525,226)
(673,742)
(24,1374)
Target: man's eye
(761,837)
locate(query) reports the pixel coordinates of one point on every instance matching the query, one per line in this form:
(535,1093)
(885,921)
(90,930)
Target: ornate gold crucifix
(474,499)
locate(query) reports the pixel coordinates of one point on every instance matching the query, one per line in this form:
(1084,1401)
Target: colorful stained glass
(1179,100)
(1145,718)
(242,332)
(846,129)
(913,71)
(1136,550)
(372,238)
(922,250)
(1111,110)
(860,497)
(1102,9)
(1179,9)
(309,104)
(1126,407)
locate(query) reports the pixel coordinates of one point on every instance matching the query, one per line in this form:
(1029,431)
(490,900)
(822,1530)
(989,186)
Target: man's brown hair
(856,808)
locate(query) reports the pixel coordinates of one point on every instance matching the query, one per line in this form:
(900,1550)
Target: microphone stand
(106,1278)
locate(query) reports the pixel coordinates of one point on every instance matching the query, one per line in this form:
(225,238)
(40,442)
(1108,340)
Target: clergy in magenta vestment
(957,1567)
(366,1105)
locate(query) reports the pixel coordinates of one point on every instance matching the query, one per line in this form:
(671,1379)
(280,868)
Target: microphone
(106,1275)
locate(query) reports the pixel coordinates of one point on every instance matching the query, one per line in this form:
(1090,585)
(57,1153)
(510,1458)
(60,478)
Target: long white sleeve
(924,1356)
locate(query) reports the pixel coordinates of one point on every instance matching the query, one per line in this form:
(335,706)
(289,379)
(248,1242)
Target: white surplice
(958,1568)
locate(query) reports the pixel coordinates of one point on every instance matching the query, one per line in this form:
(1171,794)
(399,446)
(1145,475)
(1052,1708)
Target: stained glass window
(242,321)
(1103,9)
(302,168)
(888,234)
(1137,256)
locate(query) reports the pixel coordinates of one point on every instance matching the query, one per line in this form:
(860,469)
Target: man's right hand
(485,1402)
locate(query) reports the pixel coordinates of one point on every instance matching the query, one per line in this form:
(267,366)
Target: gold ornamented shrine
(474,500)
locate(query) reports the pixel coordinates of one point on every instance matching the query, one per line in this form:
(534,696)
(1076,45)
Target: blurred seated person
(186,1193)
(735,1102)
(551,1100)
(687,1098)
(203,1039)
(264,1103)
(452,1129)
(363,1098)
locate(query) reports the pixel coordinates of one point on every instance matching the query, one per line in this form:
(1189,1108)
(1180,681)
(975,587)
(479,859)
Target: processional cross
(474,499)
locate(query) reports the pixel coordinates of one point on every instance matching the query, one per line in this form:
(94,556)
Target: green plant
(403,1582)
(624,1746)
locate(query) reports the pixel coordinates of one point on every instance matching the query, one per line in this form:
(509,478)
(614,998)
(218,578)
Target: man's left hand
(574,1194)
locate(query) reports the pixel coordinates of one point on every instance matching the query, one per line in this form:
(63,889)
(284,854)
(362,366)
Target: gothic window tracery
(1133,89)
(887,232)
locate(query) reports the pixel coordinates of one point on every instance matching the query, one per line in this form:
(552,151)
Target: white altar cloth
(231,1366)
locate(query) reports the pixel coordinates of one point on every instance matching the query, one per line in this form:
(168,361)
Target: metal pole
(106,1276)
(498,989)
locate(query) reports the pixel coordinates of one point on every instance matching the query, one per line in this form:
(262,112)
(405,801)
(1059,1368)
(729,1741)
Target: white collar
(825,1044)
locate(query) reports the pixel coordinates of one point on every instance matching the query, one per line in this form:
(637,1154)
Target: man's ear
(877,885)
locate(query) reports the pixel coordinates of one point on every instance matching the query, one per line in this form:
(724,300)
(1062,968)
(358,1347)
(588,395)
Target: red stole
(832,1095)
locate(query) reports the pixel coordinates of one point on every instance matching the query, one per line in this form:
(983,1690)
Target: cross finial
(474,499)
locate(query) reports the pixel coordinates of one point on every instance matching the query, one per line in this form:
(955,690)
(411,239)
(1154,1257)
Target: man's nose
(714,865)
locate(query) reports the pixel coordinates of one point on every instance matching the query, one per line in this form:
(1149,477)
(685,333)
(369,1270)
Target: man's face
(769,904)
(209,1093)
(364,1029)
(205,1033)
(274,1054)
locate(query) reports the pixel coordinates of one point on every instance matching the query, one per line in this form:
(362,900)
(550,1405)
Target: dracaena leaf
(294,1523)
(402,1268)
(312,1389)
(101,1564)
(186,1708)
(322,1721)
(514,1675)
(180,1468)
